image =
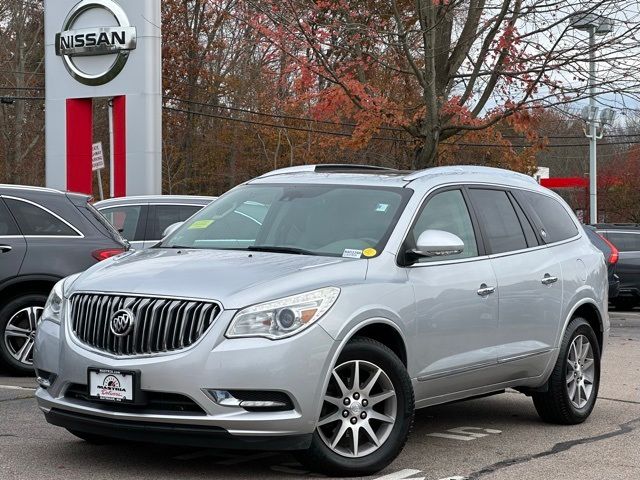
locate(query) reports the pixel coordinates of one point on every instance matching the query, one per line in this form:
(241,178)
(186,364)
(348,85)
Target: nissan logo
(73,43)
(122,322)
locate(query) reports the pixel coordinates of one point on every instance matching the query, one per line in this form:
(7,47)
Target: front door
(456,304)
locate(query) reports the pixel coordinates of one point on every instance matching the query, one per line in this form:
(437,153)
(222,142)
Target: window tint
(501,224)
(557,223)
(447,211)
(625,241)
(35,221)
(7,223)
(163,216)
(125,220)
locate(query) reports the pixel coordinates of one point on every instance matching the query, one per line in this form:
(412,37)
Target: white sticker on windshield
(382,207)
(350,253)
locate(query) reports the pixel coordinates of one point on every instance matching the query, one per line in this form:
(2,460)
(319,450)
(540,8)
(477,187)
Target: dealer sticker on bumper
(111,385)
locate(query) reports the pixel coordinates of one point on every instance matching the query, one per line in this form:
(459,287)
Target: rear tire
(18,321)
(352,414)
(575,380)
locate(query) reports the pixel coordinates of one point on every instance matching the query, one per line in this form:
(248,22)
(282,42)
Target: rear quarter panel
(585,280)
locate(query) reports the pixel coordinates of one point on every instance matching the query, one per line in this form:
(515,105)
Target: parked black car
(626,237)
(45,235)
(611,256)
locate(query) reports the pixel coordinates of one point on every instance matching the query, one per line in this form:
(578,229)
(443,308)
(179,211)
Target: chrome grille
(161,324)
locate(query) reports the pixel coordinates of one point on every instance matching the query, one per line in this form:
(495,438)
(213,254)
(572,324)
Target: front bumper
(297,366)
(169,434)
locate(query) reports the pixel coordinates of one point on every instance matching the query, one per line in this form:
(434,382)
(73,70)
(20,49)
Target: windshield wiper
(274,249)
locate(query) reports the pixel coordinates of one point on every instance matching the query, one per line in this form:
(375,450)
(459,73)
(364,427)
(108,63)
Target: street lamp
(595,25)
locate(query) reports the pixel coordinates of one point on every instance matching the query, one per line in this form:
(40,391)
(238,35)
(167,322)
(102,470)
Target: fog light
(252,400)
(45,379)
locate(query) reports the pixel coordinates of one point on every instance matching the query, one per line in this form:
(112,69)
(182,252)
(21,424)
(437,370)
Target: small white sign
(97,157)
(350,253)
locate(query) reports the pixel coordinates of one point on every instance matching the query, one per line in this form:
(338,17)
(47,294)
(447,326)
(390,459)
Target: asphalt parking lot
(497,437)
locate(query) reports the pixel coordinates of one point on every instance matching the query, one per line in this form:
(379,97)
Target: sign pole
(100,184)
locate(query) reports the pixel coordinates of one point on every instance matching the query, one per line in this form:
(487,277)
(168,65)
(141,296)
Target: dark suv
(45,235)
(626,237)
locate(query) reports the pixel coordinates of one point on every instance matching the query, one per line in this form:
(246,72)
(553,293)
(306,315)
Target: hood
(234,278)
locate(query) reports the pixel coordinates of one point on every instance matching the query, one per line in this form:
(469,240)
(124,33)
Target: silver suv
(344,299)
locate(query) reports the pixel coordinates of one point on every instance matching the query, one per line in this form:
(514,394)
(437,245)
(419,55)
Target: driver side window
(446,211)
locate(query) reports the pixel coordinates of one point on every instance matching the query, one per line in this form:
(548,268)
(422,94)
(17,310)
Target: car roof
(156,199)
(381,176)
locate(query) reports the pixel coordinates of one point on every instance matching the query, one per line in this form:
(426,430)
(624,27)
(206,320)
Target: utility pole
(595,25)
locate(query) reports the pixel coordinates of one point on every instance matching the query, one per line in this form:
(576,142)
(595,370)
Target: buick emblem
(122,322)
(78,40)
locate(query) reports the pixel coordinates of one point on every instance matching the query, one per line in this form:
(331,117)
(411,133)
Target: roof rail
(30,188)
(329,167)
(461,169)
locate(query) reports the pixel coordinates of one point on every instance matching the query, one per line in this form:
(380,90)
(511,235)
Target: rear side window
(125,219)
(163,216)
(554,218)
(7,223)
(625,241)
(499,220)
(35,221)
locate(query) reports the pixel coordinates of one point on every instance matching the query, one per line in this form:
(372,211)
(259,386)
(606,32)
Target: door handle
(486,290)
(5,248)
(548,279)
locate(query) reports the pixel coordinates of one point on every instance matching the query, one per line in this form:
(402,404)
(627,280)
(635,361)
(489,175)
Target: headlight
(53,307)
(285,317)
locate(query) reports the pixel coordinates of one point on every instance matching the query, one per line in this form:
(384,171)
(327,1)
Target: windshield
(331,220)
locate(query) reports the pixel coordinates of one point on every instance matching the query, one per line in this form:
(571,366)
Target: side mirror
(171,228)
(438,243)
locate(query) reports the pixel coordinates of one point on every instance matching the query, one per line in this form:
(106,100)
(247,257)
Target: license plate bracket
(108,385)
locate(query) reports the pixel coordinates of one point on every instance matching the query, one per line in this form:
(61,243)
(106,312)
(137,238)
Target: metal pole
(100,185)
(111,166)
(593,164)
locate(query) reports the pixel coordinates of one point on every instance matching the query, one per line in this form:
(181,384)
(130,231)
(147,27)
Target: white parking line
(13,387)
(465,434)
(401,475)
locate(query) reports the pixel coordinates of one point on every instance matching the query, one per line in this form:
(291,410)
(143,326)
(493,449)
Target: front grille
(155,402)
(160,325)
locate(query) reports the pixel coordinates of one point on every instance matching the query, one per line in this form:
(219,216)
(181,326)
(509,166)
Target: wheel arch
(372,326)
(28,284)
(588,309)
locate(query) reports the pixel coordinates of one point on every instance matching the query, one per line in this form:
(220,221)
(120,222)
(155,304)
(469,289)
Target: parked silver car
(350,297)
(143,219)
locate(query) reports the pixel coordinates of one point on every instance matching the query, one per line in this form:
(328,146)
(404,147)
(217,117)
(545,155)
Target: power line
(8,99)
(324,122)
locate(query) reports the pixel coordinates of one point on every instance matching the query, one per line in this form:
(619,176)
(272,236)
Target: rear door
(529,283)
(13,246)
(161,216)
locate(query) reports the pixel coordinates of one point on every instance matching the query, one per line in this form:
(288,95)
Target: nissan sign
(75,42)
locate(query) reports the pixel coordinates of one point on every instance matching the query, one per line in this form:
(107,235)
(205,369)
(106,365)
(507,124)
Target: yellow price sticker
(370,252)
(200,224)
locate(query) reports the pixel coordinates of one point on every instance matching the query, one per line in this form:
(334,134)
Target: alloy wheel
(580,371)
(359,409)
(20,332)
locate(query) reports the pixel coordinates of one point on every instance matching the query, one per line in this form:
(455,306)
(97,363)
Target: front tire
(367,412)
(575,380)
(18,322)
